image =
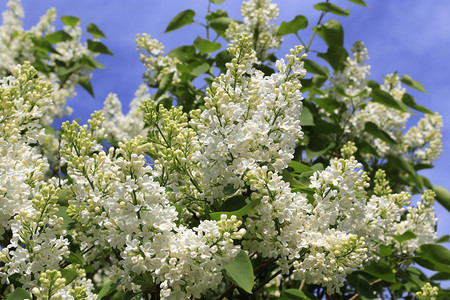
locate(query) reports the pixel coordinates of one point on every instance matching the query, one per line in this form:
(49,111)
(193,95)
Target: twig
(302,284)
(267,280)
(371,283)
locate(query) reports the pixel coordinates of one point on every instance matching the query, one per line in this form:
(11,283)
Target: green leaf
(328,104)
(206,46)
(383,97)
(406,236)
(220,24)
(332,8)
(70,20)
(75,258)
(69,275)
(294,183)
(431,264)
(163,85)
(18,294)
(300,168)
(380,270)
(62,71)
(435,252)
(95,31)
(331,32)
(98,47)
(442,196)
(365,147)
(335,56)
(313,152)
(359,2)
(443,239)
(85,83)
(199,68)
(376,131)
(385,250)
(42,45)
(240,272)
(217,1)
(409,100)
(265,69)
(234,203)
(183,53)
(185,17)
(88,61)
(406,79)
(440,276)
(306,118)
(313,67)
(68,221)
(292,27)
(293,294)
(107,289)
(57,37)
(238,213)
(129,295)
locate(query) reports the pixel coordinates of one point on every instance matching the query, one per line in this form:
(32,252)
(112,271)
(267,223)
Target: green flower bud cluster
(381,184)
(428,292)
(51,283)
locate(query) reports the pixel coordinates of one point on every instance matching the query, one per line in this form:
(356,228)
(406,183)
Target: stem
(314,32)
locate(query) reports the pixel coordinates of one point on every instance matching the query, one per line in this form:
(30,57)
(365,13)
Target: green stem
(314,32)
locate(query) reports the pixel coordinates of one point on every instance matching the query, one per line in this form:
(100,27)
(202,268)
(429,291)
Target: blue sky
(408,36)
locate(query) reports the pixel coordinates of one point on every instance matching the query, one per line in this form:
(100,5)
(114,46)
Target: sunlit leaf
(240,272)
(18,294)
(293,294)
(335,56)
(109,288)
(238,213)
(406,236)
(185,17)
(380,270)
(383,97)
(85,82)
(292,27)
(332,8)
(306,118)
(313,67)
(57,37)
(435,252)
(69,275)
(442,196)
(406,79)
(331,32)
(98,47)
(70,20)
(75,258)
(95,31)
(409,100)
(206,46)
(376,131)
(220,25)
(359,2)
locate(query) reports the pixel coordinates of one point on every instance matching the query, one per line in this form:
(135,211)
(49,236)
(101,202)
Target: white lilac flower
(120,127)
(157,64)
(119,206)
(250,119)
(259,17)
